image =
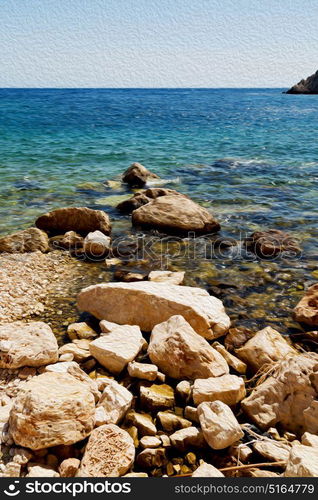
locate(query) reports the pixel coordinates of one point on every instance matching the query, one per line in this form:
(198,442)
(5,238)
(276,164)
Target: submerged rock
(272,243)
(69,241)
(52,409)
(286,397)
(266,347)
(219,425)
(137,175)
(144,197)
(82,220)
(306,86)
(147,304)
(175,214)
(306,310)
(29,240)
(174,278)
(27,344)
(180,352)
(110,452)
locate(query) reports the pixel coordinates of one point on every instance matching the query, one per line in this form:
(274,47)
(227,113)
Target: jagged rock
(27,344)
(309,439)
(82,220)
(207,470)
(286,396)
(175,214)
(81,331)
(143,371)
(171,422)
(306,310)
(186,438)
(174,278)
(302,462)
(79,348)
(143,422)
(137,175)
(229,389)
(306,86)
(144,197)
(96,244)
(181,353)
(271,450)
(29,240)
(219,425)
(157,397)
(150,442)
(110,452)
(69,467)
(116,348)
(231,360)
(52,409)
(152,457)
(266,347)
(116,401)
(271,243)
(147,303)
(41,470)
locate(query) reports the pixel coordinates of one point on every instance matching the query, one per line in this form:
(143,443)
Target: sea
(250,156)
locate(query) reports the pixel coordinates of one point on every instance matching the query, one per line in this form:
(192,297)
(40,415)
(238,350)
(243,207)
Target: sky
(157,43)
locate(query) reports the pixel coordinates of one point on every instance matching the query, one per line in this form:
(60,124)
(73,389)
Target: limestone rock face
(137,175)
(181,353)
(116,401)
(144,197)
(207,470)
(229,389)
(306,310)
(306,86)
(96,244)
(219,425)
(147,303)
(286,397)
(174,278)
(266,347)
(115,349)
(79,219)
(50,410)
(271,243)
(302,462)
(29,240)
(27,344)
(175,214)
(110,452)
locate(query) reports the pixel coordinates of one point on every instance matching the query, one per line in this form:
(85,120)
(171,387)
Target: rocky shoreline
(152,379)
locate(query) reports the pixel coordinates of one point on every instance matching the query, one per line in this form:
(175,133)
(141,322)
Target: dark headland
(307,86)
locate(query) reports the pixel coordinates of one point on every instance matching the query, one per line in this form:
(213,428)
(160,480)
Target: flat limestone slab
(147,304)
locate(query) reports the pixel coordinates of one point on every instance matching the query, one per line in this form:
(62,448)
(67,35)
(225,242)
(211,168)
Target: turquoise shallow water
(250,155)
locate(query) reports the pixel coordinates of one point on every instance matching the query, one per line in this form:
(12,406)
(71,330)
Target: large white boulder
(287,397)
(229,389)
(181,353)
(114,349)
(219,425)
(266,347)
(302,462)
(148,303)
(110,452)
(52,409)
(27,344)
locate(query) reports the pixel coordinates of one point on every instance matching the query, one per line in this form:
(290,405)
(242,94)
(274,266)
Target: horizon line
(139,88)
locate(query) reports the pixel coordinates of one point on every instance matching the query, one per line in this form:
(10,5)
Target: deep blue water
(249,155)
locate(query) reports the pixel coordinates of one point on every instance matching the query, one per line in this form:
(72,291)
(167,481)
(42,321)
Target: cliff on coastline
(306,86)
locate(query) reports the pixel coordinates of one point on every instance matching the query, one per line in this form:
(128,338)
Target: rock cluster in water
(145,389)
(307,86)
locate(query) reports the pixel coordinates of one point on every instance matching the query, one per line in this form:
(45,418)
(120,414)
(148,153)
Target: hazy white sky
(157,43)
